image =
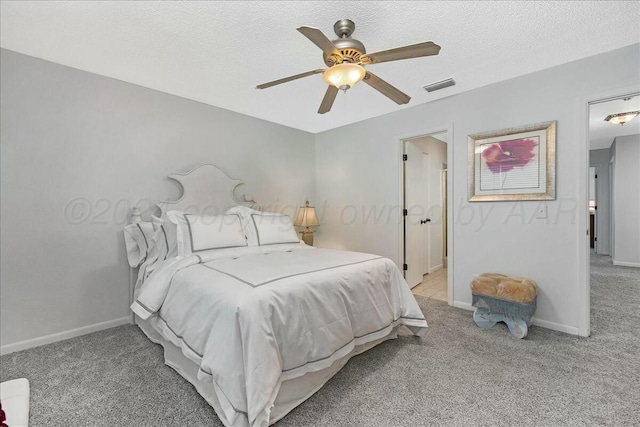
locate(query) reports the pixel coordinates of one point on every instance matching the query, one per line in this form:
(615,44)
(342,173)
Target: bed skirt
(292,391)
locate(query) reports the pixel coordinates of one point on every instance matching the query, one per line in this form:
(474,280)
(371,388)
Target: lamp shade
(306,217)
(345,75)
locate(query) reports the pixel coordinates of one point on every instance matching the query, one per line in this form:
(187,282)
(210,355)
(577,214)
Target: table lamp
(307,218)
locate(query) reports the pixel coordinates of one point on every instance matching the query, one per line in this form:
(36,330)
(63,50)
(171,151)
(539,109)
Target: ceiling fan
(346,58)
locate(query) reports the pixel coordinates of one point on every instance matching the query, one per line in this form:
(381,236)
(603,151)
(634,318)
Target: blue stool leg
(517,326)
(486,320)
(483,318)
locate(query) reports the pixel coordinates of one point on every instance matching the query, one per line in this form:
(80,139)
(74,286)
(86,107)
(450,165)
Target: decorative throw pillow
(166,237)
(138,239)
(198,233)
(248,227)
(272,229)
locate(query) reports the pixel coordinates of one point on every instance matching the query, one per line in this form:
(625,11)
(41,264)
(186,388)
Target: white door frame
(612,225)
(584,251)
(426,161)
(595,213)
(399,141)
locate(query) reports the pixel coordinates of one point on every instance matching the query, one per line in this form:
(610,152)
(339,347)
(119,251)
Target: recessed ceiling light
(621,118)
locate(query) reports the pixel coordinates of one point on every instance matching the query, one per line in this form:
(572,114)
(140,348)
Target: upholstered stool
(498,298)
(14,396)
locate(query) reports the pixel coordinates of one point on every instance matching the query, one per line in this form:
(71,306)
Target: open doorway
(425,166)
(613,194)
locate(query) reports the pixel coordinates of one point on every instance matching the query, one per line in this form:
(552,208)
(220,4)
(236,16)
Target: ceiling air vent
(439,85)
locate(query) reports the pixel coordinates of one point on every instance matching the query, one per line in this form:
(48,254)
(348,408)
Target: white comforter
(253,317)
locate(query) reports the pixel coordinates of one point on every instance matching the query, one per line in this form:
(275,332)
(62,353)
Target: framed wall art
(513,164)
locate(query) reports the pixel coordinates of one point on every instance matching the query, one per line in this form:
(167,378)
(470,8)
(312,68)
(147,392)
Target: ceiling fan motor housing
(352,50)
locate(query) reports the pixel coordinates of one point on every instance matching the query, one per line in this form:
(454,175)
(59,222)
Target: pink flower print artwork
(506,155)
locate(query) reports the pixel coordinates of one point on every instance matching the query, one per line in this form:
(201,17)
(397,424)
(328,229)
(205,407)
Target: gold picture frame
(513,164)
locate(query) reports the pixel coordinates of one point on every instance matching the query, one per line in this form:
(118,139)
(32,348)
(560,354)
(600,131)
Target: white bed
(257,329)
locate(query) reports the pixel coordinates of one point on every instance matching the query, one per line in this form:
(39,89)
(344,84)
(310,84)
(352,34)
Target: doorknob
(426,220)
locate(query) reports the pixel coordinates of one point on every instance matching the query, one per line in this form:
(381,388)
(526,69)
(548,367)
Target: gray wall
(358,167)
(68,137)
(600,160)
(626,198)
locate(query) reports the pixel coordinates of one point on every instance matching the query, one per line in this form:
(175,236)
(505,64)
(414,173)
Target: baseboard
(72,333)
(626,264)
(572,330)
(436,268)
(463,305)
(538,322)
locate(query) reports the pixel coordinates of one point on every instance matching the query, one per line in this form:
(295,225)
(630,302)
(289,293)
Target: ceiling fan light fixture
(344,76)
(621,118)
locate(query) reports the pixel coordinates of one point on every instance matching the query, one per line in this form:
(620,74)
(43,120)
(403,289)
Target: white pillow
(272,229)
(248,227)
(138,239)
(198,233)
(166,237)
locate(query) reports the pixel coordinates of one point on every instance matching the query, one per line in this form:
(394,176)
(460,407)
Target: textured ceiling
(601,133)
(217,52)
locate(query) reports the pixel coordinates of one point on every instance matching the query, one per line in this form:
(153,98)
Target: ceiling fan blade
(406,52)
(386,89)
(319,39)
(288,79)
(327,101)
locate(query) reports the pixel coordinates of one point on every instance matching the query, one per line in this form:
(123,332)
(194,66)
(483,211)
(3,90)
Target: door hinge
(405,267)
(405,157)
(405,212)
(596,176)
(595,239)
(595,208)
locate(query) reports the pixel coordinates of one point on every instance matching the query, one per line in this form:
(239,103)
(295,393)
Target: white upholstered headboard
(206,189)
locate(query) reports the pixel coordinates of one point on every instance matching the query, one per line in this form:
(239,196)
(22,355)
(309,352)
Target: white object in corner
(14,395)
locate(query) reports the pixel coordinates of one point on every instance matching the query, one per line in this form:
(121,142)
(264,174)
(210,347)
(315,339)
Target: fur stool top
(510,288)
(499,298)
